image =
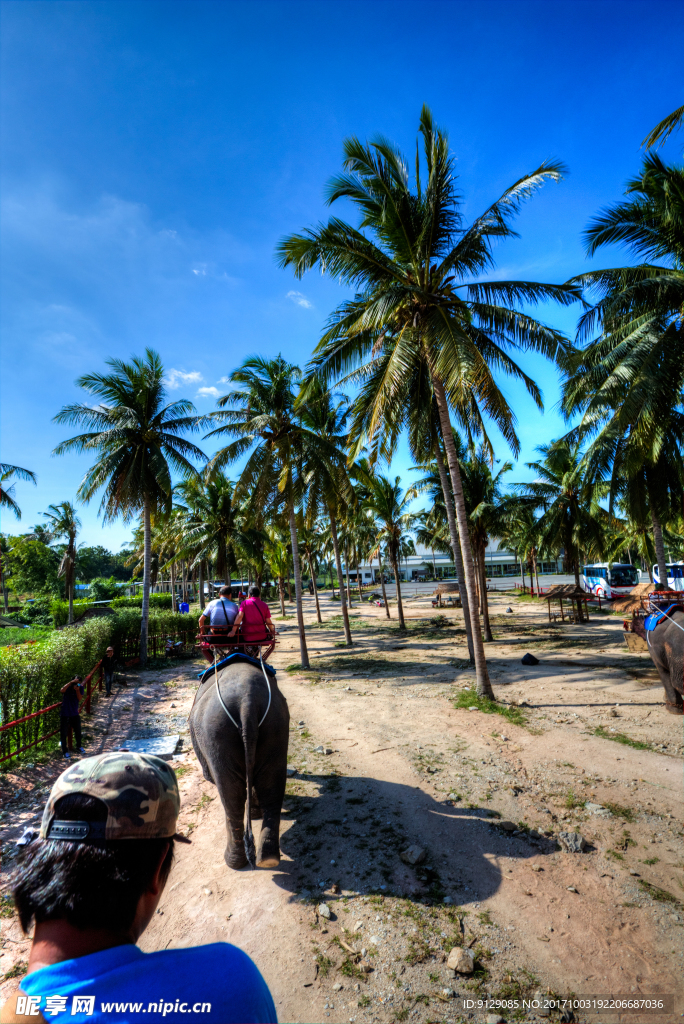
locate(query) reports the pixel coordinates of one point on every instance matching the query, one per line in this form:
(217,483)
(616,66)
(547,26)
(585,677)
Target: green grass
(571,801)
(325,965)
(620,737)
(350,970)
(469,698)
(17,971)
(364,1000)
(661,895)
(618,811)
(651,860)
(6,906)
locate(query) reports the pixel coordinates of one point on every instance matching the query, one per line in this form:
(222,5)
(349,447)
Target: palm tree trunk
(298,589)
(456,549)
(536,568)
(71,576)
(147,559)
(200,580)
(522,572)
(400,607)
(358,572)
(315,588)
(346,569)
(484,687)
(660,550)
(281,592)
(382,581)
(174,604)
(338,566)
(4,587)
(478,588)
(485,597)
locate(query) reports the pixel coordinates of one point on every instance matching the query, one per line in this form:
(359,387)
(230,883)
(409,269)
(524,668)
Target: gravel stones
(413,855)
(572,842)
(461,960)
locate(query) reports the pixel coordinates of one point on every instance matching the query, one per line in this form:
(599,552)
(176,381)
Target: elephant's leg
(674,652)
(233,793)
(673,700)
(271,788)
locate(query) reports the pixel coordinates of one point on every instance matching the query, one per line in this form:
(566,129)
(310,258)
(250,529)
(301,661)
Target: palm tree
(572,518)
(7,472)
(418,297)
(215,527)
(137,439)
(328,487)
(311,546)
(63,522)
(485,504)
(628,382)
(388,504)
(665,128)
(269,427)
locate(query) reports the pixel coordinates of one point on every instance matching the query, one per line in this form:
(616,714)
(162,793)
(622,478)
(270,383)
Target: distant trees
(138,444)
(64,524)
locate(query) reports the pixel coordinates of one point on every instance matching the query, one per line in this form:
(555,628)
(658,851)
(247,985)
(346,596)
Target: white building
(428,564)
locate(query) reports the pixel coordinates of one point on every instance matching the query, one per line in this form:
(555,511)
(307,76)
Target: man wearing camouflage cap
(91,881)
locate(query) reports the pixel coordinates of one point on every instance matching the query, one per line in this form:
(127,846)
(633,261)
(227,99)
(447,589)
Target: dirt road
(593,752)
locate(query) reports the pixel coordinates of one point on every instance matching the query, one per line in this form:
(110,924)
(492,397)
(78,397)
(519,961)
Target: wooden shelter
(578,610)
(449,591)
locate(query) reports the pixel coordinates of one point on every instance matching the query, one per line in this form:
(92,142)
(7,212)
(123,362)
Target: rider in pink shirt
(255,616)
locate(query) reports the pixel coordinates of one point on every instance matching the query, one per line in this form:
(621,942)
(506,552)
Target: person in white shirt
(219,615)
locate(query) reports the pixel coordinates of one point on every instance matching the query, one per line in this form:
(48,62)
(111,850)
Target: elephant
(666,646)
(245,760)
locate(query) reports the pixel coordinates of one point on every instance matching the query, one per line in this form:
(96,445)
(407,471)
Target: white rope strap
(218,691)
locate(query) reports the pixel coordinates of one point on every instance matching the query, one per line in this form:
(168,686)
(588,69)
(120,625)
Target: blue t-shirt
(213,984)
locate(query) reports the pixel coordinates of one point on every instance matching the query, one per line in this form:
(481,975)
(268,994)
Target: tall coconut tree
(388,504)
(572,518)
(269,429)
(63,523)
(415,267)
(627,378)
(138,443)
(8,476)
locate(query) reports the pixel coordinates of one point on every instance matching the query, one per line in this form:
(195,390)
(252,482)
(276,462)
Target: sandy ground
(483,797)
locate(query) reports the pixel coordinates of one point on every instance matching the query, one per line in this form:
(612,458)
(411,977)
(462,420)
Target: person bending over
(91,881)
(69,715)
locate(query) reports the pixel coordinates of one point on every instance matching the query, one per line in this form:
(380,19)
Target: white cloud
(224,380)
(176,378)
(300,299)
(201,271)
(208,393)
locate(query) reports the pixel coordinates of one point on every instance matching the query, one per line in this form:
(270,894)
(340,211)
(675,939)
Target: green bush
(156,601)
(35,614)
(102,589)
(60,611)
(31,676)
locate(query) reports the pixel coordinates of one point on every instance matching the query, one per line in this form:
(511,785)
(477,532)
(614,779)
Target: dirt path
(483,797)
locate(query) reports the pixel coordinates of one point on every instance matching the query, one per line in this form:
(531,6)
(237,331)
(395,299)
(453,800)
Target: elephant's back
(242,689)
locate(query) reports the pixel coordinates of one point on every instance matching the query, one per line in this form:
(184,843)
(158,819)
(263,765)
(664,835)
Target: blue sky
(154,153)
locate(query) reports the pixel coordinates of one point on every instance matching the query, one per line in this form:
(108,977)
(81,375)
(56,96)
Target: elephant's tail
(250,848)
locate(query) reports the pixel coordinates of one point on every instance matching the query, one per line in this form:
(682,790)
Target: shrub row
(156,601)
(31,675)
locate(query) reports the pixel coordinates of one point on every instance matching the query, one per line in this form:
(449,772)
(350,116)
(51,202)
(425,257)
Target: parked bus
(675,575)
(608,582)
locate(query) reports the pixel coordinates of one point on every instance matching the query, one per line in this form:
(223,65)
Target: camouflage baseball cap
(140,792)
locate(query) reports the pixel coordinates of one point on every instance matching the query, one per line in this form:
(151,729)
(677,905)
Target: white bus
(608,582)
(675,575)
